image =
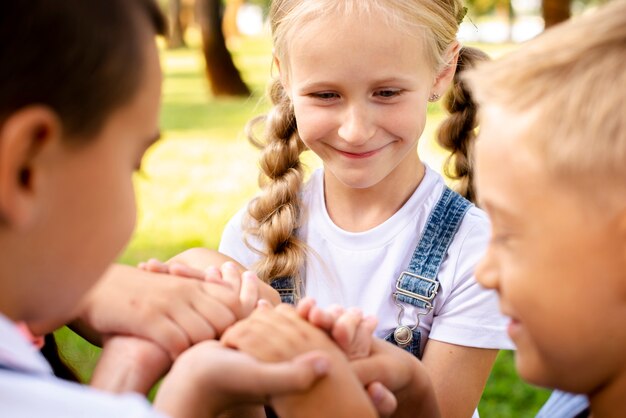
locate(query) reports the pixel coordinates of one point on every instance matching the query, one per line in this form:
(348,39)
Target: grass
(203,170)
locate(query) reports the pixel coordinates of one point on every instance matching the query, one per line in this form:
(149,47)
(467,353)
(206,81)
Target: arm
(401,373)
(279,334)
(203,258)
(458,374)
(129,364)
(171,312)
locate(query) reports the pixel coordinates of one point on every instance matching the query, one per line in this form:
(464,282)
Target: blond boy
(551,173)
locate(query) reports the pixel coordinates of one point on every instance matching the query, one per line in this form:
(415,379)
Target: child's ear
(23,136)
(446,74)
(281,74)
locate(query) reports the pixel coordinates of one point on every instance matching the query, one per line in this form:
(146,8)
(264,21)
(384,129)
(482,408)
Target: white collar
(16,352)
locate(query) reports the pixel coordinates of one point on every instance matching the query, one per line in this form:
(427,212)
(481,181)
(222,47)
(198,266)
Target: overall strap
(286,288)
(418,284)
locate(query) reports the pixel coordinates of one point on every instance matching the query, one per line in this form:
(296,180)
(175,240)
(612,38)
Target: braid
(456,133)
(276,212)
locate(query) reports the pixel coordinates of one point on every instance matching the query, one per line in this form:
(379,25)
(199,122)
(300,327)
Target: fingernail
(377,394)
(229,265)
(321,366)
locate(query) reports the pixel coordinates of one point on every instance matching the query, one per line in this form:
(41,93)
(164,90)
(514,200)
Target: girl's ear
(446,74)
(23,137)
(281,74)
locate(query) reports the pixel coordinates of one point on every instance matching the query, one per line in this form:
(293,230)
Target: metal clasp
(426,300)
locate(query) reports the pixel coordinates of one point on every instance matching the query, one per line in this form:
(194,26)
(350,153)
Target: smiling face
(359,93)
(557,260)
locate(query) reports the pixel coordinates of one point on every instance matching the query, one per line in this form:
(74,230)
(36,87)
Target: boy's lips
(514,328)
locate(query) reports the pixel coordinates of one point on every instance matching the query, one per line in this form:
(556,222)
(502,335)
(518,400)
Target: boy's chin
(531,369)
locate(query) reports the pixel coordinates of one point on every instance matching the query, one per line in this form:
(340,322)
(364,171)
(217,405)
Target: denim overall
(418,284)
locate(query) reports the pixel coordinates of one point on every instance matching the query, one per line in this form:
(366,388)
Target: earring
(434,97)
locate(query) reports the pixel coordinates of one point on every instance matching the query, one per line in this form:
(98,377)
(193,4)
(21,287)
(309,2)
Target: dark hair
(83,59)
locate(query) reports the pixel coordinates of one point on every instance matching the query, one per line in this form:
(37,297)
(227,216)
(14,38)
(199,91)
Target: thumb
(299,374)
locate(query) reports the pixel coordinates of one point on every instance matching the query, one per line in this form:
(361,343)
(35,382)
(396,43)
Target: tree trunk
(176,38)
(222,74)
(229,26)
(555,11)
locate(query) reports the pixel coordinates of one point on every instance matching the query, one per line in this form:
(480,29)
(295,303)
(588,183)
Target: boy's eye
(388,93)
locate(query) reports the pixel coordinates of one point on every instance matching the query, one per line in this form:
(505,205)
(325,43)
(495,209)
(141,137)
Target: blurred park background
(217,61)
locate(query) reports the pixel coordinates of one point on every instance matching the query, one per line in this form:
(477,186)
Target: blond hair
(277,213)
(571,79)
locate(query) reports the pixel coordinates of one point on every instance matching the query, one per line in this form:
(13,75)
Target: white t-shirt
(360,269)
(29,389)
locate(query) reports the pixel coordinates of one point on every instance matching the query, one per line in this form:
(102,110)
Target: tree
(222,74)
(175,37)
(555,11)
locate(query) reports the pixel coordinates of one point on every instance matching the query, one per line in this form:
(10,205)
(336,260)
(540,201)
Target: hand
(246,283)
(129,364)
(171,312)
(402,374)
(202,259)
(276,334)
(210,378)
(353,334)
(349,328)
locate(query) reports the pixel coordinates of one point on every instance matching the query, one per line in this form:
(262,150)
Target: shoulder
(25,395)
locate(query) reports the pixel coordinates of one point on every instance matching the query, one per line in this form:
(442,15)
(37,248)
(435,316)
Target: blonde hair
(571,80)
(277,213)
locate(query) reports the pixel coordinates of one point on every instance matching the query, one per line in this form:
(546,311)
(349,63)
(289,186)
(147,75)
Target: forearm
(129,364)
(418,398)
(458,375)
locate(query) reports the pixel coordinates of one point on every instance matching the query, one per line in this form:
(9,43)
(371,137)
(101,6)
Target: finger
(275,379)
(304,307)
(383,399)
(212,273)
(168,335)
(363,339)
(249,294)
(345,329)
(231,274)
(183,270)
(321,319)
(155,266)
(336,311)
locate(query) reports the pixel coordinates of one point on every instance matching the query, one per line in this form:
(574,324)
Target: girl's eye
(388,93)
(325,95)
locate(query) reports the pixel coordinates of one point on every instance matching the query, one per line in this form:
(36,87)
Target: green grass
(203,170)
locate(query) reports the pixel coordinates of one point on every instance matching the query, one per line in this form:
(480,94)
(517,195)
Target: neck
(609,401)
(360,209)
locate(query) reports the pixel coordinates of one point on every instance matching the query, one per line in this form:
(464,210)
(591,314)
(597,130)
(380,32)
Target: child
(355,79)
(551,173)
(79,99)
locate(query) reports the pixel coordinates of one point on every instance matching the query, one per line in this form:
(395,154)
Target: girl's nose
(357,125)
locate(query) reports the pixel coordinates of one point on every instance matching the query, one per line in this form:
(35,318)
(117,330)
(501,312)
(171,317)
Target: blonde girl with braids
(355,77)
